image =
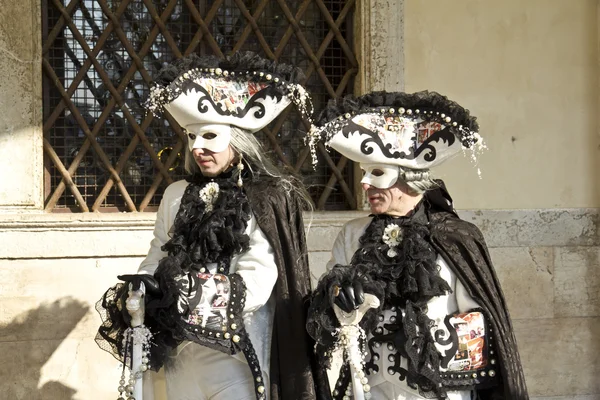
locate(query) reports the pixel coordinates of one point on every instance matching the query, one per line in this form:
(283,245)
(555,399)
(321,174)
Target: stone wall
(52,272)
(21,187)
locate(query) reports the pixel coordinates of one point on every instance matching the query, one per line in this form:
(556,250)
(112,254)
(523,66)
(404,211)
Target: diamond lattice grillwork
(103,152)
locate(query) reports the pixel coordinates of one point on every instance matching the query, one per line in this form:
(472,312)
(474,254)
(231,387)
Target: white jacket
(256,266)
(259,271)
(385,384)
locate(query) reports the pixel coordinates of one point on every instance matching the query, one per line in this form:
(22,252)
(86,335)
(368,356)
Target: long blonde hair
(246,145)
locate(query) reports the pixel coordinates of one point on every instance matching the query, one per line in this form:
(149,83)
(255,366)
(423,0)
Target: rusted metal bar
(59,26)
(334,25)
(329,186)
(84,68)
(88,133)
(327,40)
(249,28)
(345,80)
(290,29)
(163,28)
(255,28)
(310,54)
(209,38)
(116,95)
(157,182)
(302,158)
(65,175)
(123,38)
(200,33)
(121,164)
(112,102)
(347,192)
(275,146)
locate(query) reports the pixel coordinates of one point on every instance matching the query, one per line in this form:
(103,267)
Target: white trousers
(389,391)
(200,373)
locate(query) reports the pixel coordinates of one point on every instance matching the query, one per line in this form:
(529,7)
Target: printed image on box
(470,355)
(211,311)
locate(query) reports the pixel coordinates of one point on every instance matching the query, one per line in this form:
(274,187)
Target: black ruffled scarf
(396,252)
(199,236)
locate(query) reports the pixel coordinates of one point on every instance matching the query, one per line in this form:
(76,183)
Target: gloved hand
(350,295)
(151,284)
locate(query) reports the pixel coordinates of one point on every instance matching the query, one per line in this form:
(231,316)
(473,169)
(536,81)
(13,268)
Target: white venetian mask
(213,137)
(381,176)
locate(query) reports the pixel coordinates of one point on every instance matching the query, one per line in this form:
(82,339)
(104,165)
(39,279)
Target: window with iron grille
(103,152)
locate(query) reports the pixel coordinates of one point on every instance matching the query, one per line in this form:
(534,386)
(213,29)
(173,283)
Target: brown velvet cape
(463,247)
(294,372)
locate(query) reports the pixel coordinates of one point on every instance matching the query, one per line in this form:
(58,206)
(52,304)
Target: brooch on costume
(209,194)
(392,236)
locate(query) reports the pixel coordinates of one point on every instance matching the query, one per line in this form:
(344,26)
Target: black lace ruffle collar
(397,251)
(210,233)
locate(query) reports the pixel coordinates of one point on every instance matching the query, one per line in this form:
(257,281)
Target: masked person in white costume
(227,274)
(441,329)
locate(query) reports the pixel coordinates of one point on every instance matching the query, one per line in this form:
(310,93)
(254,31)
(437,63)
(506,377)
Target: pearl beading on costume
(468,137)
(347,337)
(140,335)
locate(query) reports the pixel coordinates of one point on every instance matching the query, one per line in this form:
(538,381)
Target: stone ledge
(136,220)
(69,242)
(77,221)
(541,227)
(47,235)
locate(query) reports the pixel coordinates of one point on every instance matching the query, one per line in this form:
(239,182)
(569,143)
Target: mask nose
(198,143)
(198,151)
(365,181)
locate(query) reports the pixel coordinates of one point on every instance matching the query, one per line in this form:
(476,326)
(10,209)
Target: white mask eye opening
(209,135)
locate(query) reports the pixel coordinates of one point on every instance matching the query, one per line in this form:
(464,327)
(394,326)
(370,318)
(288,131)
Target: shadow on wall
(28,342)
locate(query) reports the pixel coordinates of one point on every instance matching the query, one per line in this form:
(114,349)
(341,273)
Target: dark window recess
(104,153)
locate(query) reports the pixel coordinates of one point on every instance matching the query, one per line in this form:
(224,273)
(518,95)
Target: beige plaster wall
(529,71)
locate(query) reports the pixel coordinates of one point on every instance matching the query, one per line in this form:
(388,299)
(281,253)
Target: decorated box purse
(470,359)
